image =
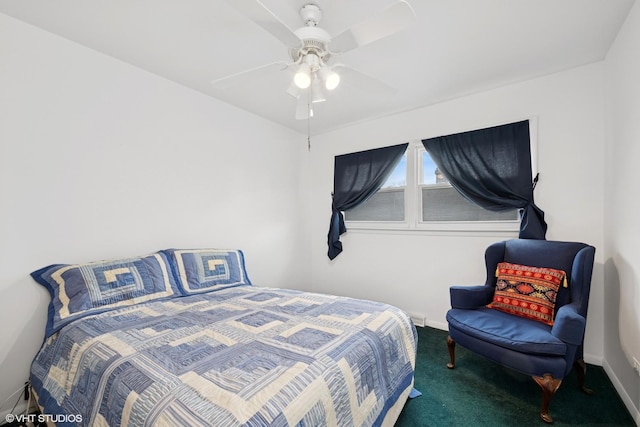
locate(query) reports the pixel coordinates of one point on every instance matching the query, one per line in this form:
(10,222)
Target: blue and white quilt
(242,356)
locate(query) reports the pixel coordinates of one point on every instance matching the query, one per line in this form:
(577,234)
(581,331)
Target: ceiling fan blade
(261,15)
(363,82)
(238,77)
(386,22)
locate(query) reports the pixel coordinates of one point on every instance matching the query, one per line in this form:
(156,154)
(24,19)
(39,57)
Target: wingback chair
(526,344)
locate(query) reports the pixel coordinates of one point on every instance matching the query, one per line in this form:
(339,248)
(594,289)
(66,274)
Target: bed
(181,337)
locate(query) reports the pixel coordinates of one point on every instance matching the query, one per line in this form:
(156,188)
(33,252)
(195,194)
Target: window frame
(413,199)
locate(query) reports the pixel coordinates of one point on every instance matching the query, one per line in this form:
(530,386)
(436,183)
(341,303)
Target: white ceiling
(455,47)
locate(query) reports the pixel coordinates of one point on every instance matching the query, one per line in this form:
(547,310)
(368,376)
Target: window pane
(398,177)
(385,205)
(388,203)
(444,203)
(430,172)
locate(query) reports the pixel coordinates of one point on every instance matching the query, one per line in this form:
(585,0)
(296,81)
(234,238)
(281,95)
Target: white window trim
(413,223)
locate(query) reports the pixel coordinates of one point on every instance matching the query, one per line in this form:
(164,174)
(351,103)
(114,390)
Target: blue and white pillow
(207,270)
(83,289)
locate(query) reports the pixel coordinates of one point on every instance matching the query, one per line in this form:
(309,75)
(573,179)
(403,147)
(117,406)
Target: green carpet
(481,393)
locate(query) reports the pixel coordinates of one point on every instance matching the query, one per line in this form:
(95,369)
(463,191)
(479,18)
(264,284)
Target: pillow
(206,270)
(83,289)
(526,291)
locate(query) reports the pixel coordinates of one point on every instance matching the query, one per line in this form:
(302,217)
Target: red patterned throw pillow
(526,291)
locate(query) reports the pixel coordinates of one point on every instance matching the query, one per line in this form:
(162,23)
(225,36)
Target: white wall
(414,271)
(622,265)
(99,159)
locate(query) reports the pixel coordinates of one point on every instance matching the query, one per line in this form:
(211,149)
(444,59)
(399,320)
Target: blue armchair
(547,353)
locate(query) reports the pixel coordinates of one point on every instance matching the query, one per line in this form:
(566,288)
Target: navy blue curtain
(357,176)
(492,168)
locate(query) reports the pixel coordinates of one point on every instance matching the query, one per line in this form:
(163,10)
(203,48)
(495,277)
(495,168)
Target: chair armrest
(470,297)
(569,325)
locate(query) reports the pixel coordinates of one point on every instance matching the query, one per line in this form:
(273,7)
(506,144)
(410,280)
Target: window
(388,204)
(441,202)
(418,197)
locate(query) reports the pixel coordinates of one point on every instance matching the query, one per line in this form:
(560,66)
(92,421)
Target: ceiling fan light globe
(302,78)
(332,80)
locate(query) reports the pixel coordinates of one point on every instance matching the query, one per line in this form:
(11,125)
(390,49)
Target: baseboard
(417,319)
(593,360)
(443,326)
(421,320)
(628,402)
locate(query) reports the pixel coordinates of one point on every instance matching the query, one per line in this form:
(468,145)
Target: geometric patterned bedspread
(244,356)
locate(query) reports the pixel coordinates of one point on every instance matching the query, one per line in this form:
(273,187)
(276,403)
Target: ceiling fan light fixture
(302,78)
(317,95)
(332,81)
(331,78)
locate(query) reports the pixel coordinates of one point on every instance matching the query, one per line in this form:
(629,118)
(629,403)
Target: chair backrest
(574,258)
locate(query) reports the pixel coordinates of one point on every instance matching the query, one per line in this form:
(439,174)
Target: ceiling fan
(312,49)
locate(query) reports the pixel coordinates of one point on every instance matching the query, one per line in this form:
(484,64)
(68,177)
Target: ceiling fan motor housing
(311,14)
(314,39)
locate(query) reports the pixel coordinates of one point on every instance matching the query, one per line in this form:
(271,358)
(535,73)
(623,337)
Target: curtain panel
(358,176)
(492,168)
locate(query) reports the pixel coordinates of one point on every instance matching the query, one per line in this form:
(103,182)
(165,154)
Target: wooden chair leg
(451,345)
(581,370)
(549,386)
